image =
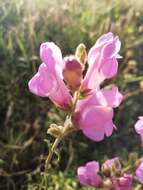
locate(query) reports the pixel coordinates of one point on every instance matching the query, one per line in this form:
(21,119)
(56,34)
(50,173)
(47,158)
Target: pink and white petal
(82,176)
(51,54)
(94,120)
(109,127)
(119,56)
(93,77)
(92,168)
(105,38)
(111,98)
(48,84)
(61,96)
(111,49)
(42,83)
(139,173)
(94,133)
(109,68)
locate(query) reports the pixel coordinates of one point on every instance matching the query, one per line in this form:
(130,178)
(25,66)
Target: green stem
(67,129)
(54,146)
(135,79)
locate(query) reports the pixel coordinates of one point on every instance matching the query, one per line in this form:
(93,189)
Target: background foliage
(24,118)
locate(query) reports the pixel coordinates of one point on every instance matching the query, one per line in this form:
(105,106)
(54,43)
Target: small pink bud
(72,72)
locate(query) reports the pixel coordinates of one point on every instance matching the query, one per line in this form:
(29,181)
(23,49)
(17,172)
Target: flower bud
(81,53)
(72,72)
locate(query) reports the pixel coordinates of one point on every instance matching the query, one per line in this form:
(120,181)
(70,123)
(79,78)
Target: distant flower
(88,174)
(48,81)
(111,166)
(139,127)
(94,114)
(102,61)
(123,183)
(139,173)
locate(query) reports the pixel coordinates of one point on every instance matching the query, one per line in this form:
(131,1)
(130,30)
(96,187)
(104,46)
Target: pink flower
(123,183)
(102,61)
(139,173)
(88,174)
(94,114)
(48,81)
(139,127)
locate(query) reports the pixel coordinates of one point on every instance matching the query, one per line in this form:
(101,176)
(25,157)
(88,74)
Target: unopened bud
(72,72)
(81,53)
(55,130)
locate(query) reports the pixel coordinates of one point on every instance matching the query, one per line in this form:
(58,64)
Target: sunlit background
(24,118)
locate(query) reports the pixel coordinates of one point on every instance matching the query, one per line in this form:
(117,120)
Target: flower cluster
(111,175)
(59,78)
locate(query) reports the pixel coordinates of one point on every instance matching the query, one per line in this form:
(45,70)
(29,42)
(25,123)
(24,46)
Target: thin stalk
(54,146)
(66,130)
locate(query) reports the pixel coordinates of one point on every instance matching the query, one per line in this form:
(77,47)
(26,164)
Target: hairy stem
(67,129)
(54,146)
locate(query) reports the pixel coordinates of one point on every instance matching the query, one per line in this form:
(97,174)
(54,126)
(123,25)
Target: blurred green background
(24,118)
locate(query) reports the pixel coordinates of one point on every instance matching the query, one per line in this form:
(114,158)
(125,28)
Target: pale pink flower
(88,174)
(139,173)
(139,127)
(94,114)
(48,81)
(123,183)
(102,61)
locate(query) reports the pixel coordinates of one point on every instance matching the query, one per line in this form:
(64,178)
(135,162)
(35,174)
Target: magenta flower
(102,61)
(139,127)
(94,114)
(88,174)
(48,81)
(139,173)
(123,183)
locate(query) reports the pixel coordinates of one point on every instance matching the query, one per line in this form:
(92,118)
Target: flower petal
(51,54)
(47,83)
(93,122)
(111,98)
